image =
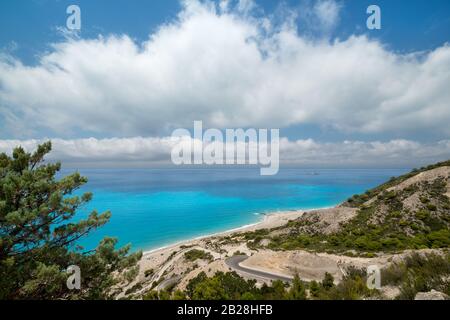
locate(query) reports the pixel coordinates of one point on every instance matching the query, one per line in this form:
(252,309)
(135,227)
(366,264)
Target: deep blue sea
(157,207)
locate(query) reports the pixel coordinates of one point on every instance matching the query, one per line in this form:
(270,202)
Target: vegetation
(352,287)
(359,200)
(419,273)
(38,234)
(416,273)
(230,286)
(148,273)
(194,255)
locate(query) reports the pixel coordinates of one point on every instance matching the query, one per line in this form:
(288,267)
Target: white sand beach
(269,220)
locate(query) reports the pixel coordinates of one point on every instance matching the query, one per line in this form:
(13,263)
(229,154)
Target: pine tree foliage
(39,234)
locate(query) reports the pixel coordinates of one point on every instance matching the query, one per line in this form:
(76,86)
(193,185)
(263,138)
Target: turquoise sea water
(157,207)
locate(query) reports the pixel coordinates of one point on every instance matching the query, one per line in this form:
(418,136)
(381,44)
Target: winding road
(234,263)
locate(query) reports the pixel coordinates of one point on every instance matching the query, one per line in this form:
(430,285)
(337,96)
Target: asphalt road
(234,263)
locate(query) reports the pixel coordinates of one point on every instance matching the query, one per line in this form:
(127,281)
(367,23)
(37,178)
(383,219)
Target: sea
(153,208)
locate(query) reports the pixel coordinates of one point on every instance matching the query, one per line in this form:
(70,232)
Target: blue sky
(407,25)
(311,68)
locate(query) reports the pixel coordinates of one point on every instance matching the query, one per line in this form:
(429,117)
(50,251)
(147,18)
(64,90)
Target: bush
(148,273)
(439,239)
(297,290)
(328,281)
(222,286)
(419,273)
(195,254)
(353,286)
(314,289)
(422,214)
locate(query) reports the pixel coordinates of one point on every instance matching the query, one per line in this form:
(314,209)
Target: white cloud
(358,153)
(156,151)
(227,69)
(124,149)
(246,6)
(327,13)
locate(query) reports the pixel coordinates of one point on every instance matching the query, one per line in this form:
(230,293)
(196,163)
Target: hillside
(408,212)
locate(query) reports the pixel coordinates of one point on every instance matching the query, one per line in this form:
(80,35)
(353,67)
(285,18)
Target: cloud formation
(156,151)
(326,13)
(229,66)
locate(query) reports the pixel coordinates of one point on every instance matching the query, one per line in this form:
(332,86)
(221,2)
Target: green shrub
(424,200)
(148,273)
(418,273)
(195,254)
(422,214)
(439,239)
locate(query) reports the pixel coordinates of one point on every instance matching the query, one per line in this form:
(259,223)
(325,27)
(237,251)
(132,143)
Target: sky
(341,94)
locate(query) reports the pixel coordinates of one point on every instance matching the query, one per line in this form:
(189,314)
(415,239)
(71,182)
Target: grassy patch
(194,255)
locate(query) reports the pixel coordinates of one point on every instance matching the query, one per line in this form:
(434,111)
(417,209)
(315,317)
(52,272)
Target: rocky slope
(409,212)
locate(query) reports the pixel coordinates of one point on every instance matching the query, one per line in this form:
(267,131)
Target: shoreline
(216,234)
(269,220)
